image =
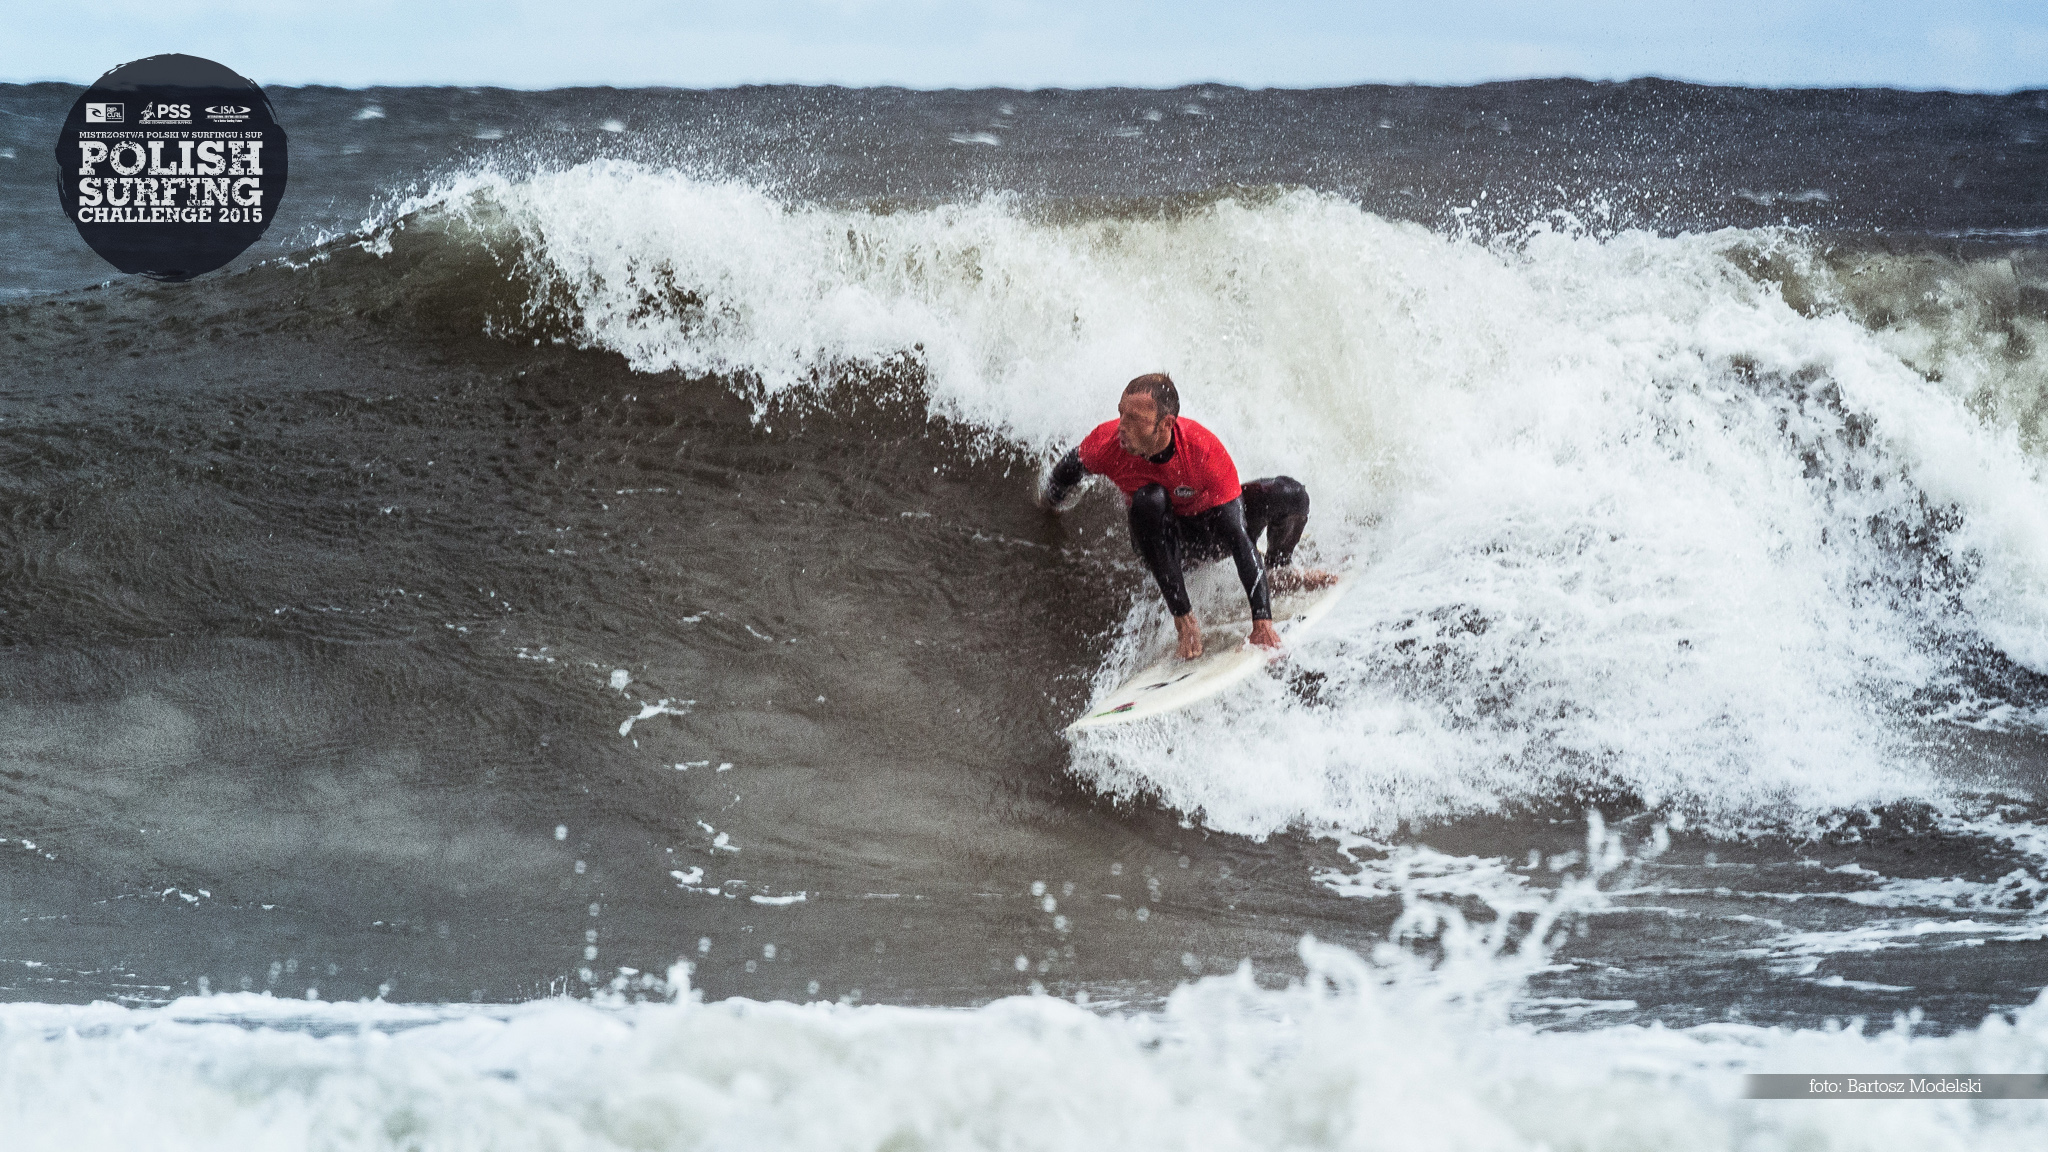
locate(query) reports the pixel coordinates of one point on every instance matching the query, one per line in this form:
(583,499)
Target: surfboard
(1227,659)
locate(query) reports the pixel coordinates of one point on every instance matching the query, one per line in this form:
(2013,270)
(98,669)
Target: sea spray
(1416,1043)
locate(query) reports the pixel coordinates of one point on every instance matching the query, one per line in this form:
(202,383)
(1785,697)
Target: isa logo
(105,113)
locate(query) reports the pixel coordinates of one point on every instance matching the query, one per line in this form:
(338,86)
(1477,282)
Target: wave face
(1665,519)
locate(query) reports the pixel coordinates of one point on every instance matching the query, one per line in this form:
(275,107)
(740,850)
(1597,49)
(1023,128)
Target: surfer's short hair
(1159,386)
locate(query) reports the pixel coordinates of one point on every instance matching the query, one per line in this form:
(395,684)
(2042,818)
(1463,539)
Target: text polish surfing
(174,177)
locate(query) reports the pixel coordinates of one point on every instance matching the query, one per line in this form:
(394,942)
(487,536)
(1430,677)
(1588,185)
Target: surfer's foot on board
(1289,580)
(1189,630)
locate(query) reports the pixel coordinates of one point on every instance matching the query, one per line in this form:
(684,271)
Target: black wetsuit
(1277,506)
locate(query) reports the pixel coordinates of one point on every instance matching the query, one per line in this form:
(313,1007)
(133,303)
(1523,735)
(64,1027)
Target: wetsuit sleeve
(1065,475)
(1249,572)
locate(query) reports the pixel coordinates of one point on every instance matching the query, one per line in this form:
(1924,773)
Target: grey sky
(1994,45)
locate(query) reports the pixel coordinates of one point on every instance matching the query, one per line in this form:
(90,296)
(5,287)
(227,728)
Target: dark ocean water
(592,530)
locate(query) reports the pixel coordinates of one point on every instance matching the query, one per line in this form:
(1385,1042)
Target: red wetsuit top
(1198,473)
(1201,511)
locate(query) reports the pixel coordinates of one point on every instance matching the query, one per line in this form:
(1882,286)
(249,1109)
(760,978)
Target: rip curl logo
(191,185)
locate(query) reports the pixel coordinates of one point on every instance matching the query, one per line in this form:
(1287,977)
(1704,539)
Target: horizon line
(2041,86)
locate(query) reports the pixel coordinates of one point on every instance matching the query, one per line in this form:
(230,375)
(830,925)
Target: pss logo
(160,113)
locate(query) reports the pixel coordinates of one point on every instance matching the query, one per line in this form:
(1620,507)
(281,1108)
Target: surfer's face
(1140,429)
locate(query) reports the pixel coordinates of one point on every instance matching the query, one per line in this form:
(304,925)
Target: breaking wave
(1726,522)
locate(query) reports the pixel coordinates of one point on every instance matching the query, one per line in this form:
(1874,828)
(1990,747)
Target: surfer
(1187,505)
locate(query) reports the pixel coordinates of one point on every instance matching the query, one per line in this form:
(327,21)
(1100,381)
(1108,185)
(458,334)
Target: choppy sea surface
(553,648)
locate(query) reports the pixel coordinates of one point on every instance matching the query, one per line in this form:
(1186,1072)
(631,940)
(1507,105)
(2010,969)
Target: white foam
(1379,1052)
(1766,199)
(1890,935)
(663,707)
(1618,514)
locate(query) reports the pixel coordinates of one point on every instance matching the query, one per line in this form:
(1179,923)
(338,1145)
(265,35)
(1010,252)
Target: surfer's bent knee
(1287,496)
(1279,496)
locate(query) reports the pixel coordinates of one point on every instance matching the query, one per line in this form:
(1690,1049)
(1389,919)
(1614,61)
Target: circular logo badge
(171,166)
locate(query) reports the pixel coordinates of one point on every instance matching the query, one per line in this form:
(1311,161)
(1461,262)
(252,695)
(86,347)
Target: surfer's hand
(1042,495)
(1190,632)
(1264,634)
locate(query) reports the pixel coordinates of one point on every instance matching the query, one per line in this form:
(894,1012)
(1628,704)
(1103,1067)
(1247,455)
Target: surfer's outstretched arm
(1061,481)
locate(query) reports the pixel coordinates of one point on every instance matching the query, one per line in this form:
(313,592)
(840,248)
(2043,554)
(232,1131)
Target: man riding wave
(1187,506)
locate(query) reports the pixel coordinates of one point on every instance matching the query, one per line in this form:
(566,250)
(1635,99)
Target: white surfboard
(1227,659)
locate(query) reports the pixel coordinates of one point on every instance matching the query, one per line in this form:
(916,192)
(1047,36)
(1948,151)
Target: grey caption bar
(1895,1086)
